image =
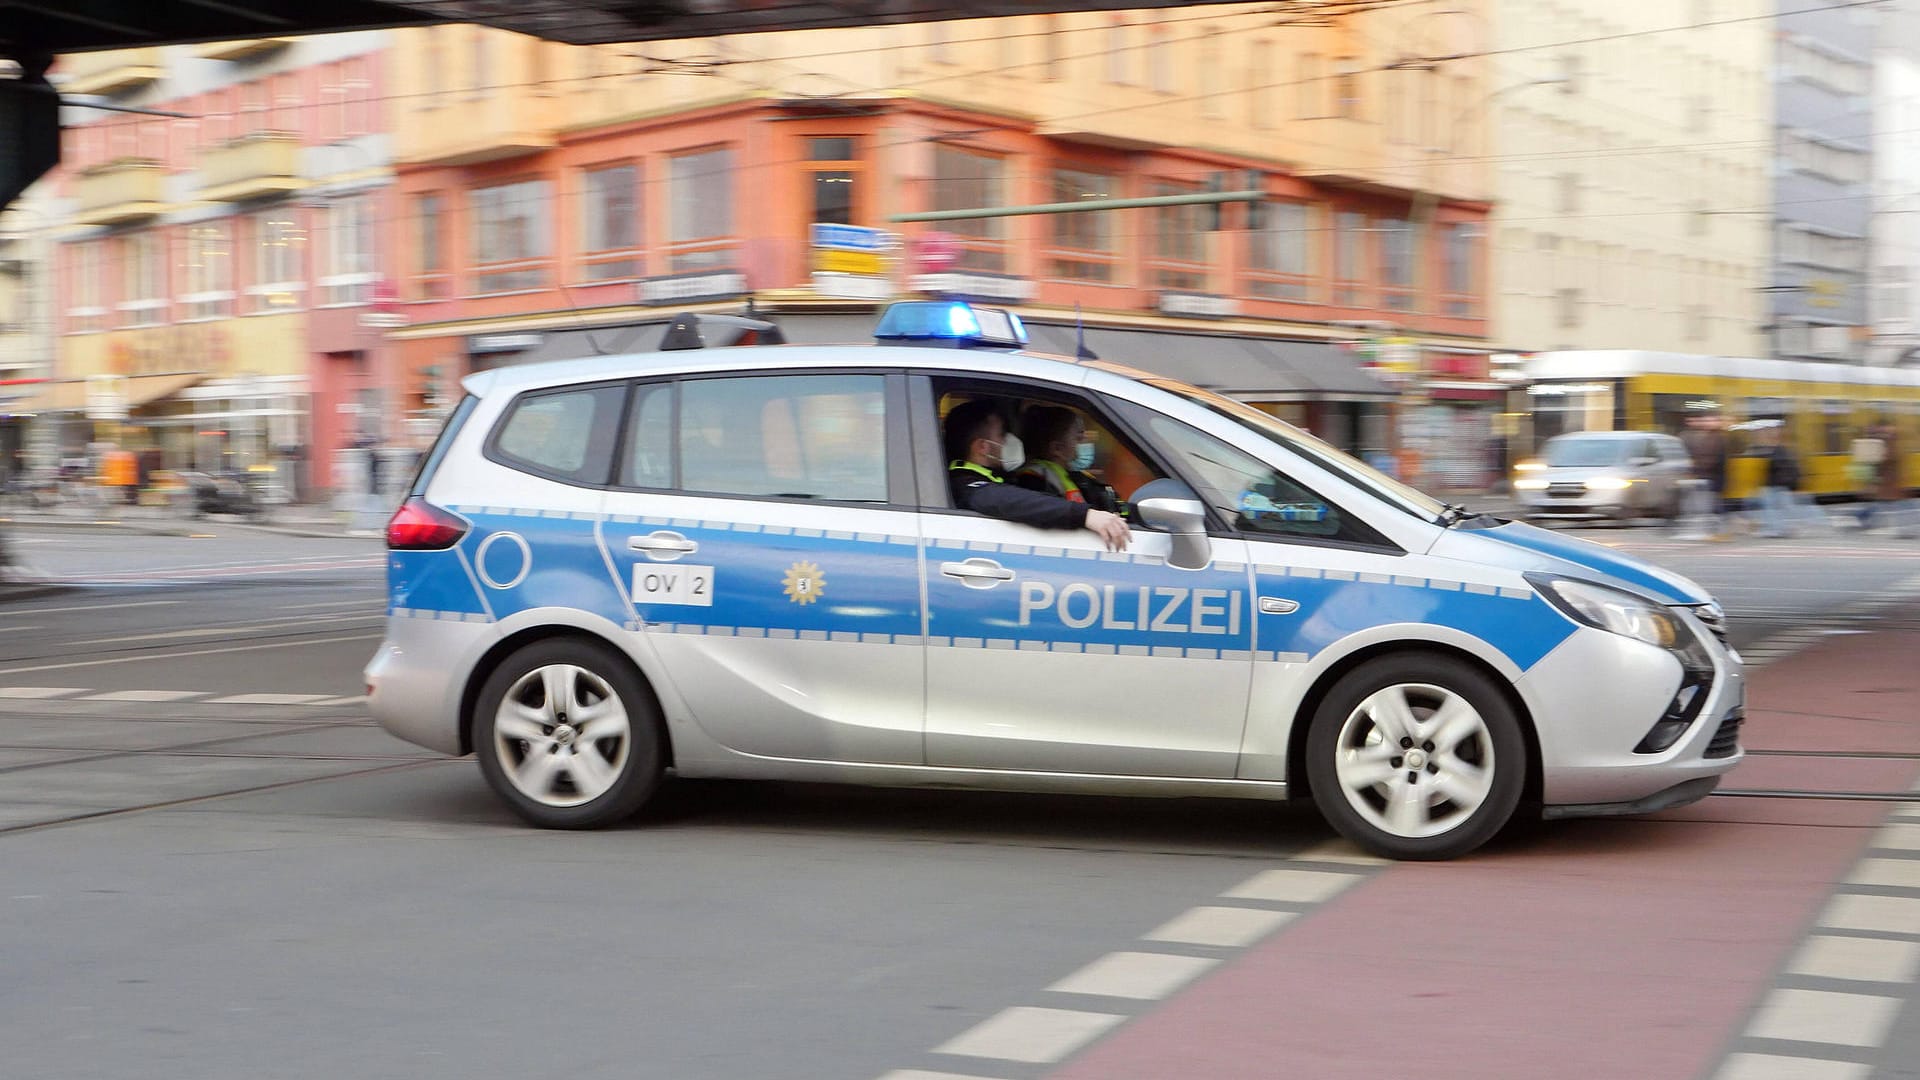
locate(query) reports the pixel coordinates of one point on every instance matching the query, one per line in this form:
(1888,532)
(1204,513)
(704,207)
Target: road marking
(357,699)
(371,601)
(89,607)
(146,695)
(1224,926)
(922,1074)
(1138,975)
(305,644)
(1893,873)
(1037,1036)
(1858,959)
(269,699)
(215,631)
(17,629)
(1340,851)
(1776,1067)
(1822,1016)
(38,692)
(1898,838)
(1294,886)
(1888,914)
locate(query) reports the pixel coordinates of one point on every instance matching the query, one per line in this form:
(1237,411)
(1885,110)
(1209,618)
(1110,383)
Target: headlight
(1608,483)
(1529,466)
(1612,610)
(1530,485)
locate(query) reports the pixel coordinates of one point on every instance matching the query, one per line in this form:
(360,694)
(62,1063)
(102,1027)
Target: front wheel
(567,734)
(1416,756)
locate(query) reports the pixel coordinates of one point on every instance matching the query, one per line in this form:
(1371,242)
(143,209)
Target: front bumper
(1583,504)
(1600,694)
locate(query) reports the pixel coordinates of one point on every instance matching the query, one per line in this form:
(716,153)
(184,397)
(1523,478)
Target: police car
(744,562)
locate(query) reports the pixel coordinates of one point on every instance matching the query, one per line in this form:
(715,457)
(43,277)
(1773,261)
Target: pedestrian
(1706,445)
(1890,486)
(1777,509)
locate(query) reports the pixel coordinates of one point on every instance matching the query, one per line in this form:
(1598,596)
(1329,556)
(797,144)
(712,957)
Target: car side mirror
(1646,461)
(1171,507)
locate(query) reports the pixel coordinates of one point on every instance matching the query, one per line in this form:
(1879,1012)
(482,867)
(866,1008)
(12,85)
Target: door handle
(663,546)
(977,573)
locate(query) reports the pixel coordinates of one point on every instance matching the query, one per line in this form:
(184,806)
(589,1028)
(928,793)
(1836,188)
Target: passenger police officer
(976,437)
(1058,455)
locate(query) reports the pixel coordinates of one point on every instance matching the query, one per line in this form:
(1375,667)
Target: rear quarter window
(564,435)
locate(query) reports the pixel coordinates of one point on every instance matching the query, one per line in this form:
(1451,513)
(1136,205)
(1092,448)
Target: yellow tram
(1824,407)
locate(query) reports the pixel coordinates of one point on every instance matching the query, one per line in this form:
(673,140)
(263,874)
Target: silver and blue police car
(744,562)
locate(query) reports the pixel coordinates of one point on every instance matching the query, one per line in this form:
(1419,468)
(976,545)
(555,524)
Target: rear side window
(565,434)
(431,462)
(786,436)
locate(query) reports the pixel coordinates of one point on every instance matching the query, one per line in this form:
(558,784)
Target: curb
(36,590)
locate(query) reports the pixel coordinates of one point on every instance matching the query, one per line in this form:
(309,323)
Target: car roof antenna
(1080,350)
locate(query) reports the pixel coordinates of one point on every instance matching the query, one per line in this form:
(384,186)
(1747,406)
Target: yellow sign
(849,262)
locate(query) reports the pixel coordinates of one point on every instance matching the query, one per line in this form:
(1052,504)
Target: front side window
(785,436)
(565,435)
(610,223)
(1254,496)
(1086,246)
(512,236)
(700,187)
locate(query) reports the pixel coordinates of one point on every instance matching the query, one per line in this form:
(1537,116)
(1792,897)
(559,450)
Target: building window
(1050,43)
(963,180)
(1213,76)
(1280,259)
(937,48)
(1349,259)
(360,104)
(512,236)
(88,313)
(1569,193)
(1085,245)
(253,107)
(700,190)
(477,43)
(1346,91)
(279,269)
(142,292)
(1458,272)
(610,223)
(1260,75)
(1160,61)
(433,65)
(1696,322)
(1397,245)
(833,167)
(208,276)
(430,263)
(1117,51)
(1569,73)
(1179,241)
(1311,92)
(1569,308)
(350,271)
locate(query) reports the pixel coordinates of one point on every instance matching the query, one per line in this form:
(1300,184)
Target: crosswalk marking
(269,699)
(35,693)
(154,697)
(145,695)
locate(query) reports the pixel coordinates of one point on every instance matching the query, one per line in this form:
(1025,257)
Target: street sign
(850,237)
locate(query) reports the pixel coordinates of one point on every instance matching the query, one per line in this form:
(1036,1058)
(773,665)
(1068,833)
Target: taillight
(421,526)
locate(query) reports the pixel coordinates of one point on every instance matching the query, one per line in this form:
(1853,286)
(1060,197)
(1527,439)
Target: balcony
(113,72)
(253,166)
(120,191)
(240,49)
(492,128)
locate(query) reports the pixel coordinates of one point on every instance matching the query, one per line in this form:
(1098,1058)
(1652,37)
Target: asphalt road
(215,866)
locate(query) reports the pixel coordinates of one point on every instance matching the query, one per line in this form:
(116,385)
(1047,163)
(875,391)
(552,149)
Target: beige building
(1632,148)
(26,322)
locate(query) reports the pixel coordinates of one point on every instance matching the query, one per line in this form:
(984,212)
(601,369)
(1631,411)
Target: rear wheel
(567,734)
(1416,756)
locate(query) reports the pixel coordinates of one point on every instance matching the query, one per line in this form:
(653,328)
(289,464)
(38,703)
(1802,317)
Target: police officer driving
(1059,453)
(975,441)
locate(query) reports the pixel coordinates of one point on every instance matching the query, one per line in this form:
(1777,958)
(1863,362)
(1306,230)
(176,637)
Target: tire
(547,762)
(1465,741)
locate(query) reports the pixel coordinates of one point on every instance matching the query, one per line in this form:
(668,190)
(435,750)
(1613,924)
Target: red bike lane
(1612,948)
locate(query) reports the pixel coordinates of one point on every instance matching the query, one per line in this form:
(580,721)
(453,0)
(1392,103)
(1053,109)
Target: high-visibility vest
(1062,480)
(971,467)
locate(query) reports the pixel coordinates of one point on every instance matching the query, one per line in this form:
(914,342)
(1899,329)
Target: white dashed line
(269,699)
(36,693)
(1857,959)
(1036,1036)
(1223,926)
(1898,838)
(146,695)
(1886,914)
(1294,886)
(922,1074)
(1137,975)
(1890,873)
(1775,1067)
(1822,1016)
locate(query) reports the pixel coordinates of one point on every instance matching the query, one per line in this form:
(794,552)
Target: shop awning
(1255,369)
(70,395)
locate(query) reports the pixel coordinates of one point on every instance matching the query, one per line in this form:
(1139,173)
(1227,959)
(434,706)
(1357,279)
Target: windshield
(1320,453)
(1585,453)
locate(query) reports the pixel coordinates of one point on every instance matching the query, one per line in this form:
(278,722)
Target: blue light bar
(954,323)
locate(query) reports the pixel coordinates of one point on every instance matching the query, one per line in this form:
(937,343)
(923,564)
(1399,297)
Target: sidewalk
(291,520)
